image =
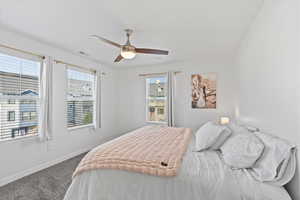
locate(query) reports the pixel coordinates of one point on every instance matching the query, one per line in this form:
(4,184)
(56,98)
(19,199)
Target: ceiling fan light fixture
(128,52)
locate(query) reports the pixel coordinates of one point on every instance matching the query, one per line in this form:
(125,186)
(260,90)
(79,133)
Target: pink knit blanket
(154,150)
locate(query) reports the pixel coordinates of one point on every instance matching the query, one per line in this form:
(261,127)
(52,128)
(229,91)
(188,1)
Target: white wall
(131,105)
(268,71)
(266,93)
(24,156)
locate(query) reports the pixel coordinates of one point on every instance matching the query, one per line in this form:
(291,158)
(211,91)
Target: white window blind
(156,99)
(19,96)
(80,97)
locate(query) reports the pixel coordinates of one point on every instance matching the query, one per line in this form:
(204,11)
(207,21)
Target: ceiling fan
(129,51)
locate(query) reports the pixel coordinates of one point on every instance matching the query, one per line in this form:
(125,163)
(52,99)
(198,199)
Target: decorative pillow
(274,162)
(242,150)
(211,136)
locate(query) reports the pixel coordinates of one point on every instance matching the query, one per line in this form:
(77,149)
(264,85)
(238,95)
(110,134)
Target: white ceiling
(193,29)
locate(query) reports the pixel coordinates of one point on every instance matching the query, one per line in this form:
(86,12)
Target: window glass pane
(33,116)
(156,99)
(11,116)
(19,77)
(80,105)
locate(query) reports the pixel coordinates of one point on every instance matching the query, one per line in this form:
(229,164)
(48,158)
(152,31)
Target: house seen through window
(19,92)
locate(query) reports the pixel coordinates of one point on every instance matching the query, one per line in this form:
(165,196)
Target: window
(11,101)
(19,95)
(11,116)
(25,116)
(161,111)
(23,131)
(156,99)
(80,97)
(28,116)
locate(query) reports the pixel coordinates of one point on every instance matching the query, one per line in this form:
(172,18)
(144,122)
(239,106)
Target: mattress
(202,176)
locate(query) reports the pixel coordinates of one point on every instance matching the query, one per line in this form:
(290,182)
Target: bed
(202,176)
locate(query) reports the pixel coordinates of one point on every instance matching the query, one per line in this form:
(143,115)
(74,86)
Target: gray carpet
(48,184)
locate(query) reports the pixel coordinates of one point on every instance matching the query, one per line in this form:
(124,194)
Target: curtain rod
(78,66)
(43,57)
(162,73)
(22,51)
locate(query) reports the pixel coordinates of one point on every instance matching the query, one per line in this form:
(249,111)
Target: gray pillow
(211,136)
(242,150)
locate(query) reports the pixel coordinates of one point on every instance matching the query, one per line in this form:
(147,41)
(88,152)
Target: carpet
(48,184)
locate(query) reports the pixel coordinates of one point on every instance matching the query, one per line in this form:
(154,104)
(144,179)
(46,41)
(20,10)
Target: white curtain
(171,90)
(98,99)
(45,113)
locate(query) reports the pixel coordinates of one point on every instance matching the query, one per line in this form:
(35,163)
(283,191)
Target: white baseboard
(40,167)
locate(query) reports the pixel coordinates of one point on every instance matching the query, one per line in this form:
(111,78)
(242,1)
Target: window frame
(94,98)
(148,121)
(8,99)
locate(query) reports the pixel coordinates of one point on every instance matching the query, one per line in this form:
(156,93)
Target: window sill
(80,127)
(19,138)
(156,123)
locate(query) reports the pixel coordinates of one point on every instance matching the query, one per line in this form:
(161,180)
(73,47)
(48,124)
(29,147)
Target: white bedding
(203,176)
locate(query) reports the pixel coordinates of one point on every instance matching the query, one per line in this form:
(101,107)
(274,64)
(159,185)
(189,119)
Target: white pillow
(211,136)
(274,162)
(236,128)
(289,171)
(242,128)
(242,150)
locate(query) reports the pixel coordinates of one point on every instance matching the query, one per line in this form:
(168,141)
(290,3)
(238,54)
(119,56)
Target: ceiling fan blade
(106,41)
(152,51)
(118,59)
